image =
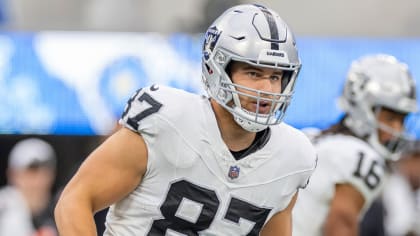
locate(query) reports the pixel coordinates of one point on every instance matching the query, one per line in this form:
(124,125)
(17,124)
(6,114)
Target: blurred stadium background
(68,66)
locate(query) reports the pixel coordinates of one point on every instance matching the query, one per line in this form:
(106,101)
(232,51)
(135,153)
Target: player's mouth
(263,108)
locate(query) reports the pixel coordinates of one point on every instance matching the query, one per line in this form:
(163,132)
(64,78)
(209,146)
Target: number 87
(210,203)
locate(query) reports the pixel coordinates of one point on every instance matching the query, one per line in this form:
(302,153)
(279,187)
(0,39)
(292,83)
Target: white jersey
(402,206)
(341,159)
(193,185)
(15,217)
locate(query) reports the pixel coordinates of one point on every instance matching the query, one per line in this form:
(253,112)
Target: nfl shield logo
(233,172)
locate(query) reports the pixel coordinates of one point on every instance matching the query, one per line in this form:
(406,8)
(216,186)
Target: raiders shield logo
(212,35)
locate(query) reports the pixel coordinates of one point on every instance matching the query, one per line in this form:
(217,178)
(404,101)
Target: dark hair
(337,128)
(228,69)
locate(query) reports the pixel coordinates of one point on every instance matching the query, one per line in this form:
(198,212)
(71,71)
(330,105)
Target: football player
(185,164)
(401,197)
(379,93)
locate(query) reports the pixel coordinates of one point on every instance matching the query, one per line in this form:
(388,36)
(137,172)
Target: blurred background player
(397,211)
(401,197)
(25,203)
(352,168)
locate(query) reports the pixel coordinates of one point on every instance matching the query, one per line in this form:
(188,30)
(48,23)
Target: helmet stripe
(274,33)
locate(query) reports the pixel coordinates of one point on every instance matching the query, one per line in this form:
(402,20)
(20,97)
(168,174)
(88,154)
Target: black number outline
(178,191)
(129,102)
(145,97)
(208,198)
(370,175)
(240,209)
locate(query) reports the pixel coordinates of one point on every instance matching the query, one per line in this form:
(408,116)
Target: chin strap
(248,125)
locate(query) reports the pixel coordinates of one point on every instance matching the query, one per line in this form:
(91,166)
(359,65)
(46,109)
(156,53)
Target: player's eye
(275,77)
(253,74)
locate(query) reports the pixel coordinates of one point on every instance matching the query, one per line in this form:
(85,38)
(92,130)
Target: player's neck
(235,137)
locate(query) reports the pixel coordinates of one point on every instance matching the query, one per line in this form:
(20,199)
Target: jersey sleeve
(311,162)
(141,110)
(306,176)
(303,161)
(167,119)
(354,163)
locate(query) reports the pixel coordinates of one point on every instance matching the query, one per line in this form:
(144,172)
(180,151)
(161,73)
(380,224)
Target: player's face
(393,122)
(33,179)
(258,78)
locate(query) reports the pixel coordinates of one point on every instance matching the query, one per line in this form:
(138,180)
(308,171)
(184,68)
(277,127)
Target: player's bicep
(345,208)
(112,171)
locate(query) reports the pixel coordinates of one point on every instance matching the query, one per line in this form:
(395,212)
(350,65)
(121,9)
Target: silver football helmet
(377,81)
(258,36)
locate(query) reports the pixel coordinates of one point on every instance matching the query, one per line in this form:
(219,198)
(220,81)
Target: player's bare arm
(111,172)
(343,217)
(280,223)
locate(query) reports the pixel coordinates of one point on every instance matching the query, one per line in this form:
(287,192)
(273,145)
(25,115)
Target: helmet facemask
(393,146)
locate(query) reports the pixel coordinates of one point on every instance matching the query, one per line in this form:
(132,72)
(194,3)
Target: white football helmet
(258,36)
(373,82)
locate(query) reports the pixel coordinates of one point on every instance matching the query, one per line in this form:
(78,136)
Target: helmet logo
(210,40)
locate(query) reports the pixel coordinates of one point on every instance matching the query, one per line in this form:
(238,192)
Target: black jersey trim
(261,138)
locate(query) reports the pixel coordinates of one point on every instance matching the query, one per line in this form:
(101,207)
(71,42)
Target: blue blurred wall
(77,83)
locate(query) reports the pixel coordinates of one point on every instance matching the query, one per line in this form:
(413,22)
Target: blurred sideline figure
(401,197)
(185,164)
(397,211)
(25,203)
(378,94)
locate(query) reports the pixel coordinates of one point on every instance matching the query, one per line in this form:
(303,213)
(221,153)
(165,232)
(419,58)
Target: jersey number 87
(182,189)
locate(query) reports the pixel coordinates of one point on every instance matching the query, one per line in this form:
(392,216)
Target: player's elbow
(69,206)
(74,215)
(59,210)
(63,208)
